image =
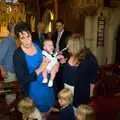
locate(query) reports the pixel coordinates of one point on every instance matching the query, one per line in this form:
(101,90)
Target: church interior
(97,20)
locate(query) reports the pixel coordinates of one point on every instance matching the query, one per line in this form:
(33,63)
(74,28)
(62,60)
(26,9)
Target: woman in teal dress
(29,64)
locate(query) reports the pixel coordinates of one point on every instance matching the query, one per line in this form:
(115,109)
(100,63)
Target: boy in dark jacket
(65,98)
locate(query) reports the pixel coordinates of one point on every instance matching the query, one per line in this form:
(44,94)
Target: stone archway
(112,29)
(117,38)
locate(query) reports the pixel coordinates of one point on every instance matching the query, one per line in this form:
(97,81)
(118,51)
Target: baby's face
(48,46)
(63,102)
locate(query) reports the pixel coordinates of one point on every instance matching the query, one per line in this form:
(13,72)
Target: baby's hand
(60,56)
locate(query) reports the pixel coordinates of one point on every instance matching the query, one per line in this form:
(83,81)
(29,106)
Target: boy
(65,99)
(28,110)
(84,112)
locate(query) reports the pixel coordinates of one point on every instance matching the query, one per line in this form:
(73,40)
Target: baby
(53,64)
(65,98)
(28,109)
(85,112)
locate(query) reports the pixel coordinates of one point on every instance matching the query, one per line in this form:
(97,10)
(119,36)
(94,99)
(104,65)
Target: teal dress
(42,95)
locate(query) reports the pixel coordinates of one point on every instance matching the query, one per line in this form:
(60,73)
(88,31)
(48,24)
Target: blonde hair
(76,47)
(26,107)
(86,112)
(66,94)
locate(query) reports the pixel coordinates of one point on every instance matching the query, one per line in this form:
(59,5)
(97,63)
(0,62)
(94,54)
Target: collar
(61,32)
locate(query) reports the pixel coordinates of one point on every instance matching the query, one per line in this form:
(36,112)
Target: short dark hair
(60,21)
(20,27)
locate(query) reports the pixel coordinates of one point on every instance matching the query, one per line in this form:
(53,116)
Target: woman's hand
(62,59)
(60,56)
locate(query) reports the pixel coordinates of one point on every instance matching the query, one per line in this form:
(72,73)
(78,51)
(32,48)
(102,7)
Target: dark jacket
(81,77)
(21,69)
(63,40)
(67,113)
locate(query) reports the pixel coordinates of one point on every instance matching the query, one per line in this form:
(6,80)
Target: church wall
(105,54)
(113,23)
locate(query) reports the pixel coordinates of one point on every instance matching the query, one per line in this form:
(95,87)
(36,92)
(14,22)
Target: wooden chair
(8,88)
(108,84)
(109,69)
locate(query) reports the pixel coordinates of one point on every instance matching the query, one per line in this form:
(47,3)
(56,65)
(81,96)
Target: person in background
(60,36)
(85,112)
(106,97)
(7,48)
(65,98)
(39,36)
(80,72)
(28,109)
(54,58)
(29,64)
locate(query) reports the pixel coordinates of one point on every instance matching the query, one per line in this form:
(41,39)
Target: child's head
(26,106)
(65,97)
(48,45)
(84,112)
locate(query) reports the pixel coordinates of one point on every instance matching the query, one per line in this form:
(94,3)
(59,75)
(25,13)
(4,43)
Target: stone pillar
(56,9)
(38,10)
(89,31)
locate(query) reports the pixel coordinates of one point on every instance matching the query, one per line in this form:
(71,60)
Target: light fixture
(12,1)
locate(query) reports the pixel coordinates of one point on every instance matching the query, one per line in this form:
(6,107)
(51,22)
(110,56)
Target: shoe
(50,83)
(45,80)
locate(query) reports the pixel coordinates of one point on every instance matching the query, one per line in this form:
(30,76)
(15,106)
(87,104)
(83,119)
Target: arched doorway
(117,56)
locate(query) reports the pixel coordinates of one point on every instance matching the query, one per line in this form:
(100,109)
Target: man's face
(59,26)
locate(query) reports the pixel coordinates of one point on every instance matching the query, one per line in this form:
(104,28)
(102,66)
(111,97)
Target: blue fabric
(42,95)
(7,48)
